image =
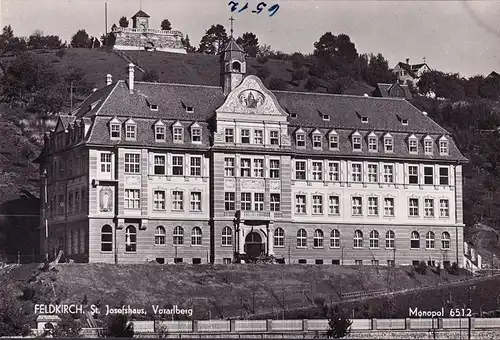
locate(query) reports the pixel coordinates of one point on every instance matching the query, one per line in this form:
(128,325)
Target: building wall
(139,39)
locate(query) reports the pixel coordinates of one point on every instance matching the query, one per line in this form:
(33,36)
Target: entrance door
(253,244)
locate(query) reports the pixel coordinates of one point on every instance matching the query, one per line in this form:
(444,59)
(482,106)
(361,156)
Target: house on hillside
(406,72)
(142,37)
(392,91)
(194,173)
(493,75)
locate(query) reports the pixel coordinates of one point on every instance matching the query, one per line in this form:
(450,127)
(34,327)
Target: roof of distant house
(141,14)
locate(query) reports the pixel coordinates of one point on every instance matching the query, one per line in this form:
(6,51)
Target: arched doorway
(253,245)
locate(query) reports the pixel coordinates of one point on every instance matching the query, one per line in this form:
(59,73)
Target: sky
(453,36)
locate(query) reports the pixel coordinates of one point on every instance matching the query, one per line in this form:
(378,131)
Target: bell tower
(232,64)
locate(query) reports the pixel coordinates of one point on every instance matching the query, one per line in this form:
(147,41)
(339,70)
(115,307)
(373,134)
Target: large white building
(190,173)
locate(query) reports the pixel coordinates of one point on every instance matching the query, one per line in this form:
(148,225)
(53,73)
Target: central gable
(251,97)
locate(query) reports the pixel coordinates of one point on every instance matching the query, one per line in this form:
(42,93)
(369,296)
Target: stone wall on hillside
(148,39)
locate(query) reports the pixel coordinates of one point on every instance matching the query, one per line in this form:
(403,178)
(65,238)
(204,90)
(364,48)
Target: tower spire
(232,20)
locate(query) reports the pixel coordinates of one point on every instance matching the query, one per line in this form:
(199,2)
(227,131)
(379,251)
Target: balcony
(256,215)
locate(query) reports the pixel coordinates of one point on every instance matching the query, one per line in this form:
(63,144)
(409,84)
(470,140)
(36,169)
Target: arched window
(358,239)
(390,239)
(279,237)
(227,236)
(335,238)
(106,238)
(178,235)
(236,66)
(429,240)
(415,240)
(374,239)
(196,236)
(301,238)
(445,240)
(160,235)
(318,238)
(130,238)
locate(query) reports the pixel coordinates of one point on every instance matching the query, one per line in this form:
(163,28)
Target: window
(300,170)
(115,131)
(444,208)
(318,238)
(229,135)
(372,173)
(428,146)
(413,207)
(159,164)
(415,240)
(77,201)
(258,137)
(334,142)
(429,175)
(132,163)
(317,171)
(229,204)
(335,238)
(356,143)
(195,135)
(356,172)
(279,237)
(130,239)
(317,203)
(429,207)
(258,201)
(443,176)
(178,135)
(160,235)
(245,167)
(159,200)
(358,262)
(357,209)
(229,167)
(443,147)
(274,168)
(105,162)
(178,165)
(334,171)
(246,201)
(429,240)
(195,169)
(388,173)
(132,200)
(70,203)
(274,137)
(390,239)
(300,204)
(258,167)
(177,200)
(374,235)
(195,201)
(245,136)
(388,144)
(388,206)
(300,139)
(372,206)
(106,238)
(227,236)
(301,238)
(445,240)
(334,205)
(178,235)
(317,141)
(413,174)
(130,131)
(413,145)
(375,262)
(372,144)
(275,202)
(196,236)
(358,239)
(160,133)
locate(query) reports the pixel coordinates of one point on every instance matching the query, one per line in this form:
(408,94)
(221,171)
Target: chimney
(408,61)
(131,71)
(109,79)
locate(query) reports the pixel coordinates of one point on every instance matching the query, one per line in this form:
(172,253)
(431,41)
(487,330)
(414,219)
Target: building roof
(493,74)
(388,90)
(232,51)
(141,14)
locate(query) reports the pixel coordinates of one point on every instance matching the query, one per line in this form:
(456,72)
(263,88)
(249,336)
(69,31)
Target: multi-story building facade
(189,173)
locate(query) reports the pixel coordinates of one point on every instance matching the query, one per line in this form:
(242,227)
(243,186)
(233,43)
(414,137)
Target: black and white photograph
(279,169)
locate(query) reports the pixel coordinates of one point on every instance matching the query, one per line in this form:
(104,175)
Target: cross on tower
(231,19)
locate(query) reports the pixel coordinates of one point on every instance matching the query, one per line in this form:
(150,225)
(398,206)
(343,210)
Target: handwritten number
(234,4)
(260,7)
(243,8)
(273,9)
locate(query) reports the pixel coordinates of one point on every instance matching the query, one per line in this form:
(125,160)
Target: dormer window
(404,121)
(245,136)
(229,135)
(160,133)
(388,144)
(443,146)
(274,137)
(178,133)
(189,109)
(153,107)
(356,142)
(428,145)
(372,143)
(293,115)
(413,144)
(195,134)
(300,139)
(130,132)
(364,119)
(333,139)
(317,141)
(326,117)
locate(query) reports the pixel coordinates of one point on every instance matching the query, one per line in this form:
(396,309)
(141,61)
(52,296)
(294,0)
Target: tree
(80,39)
(339,46)
(312,84)
(119,327)
(339,325)
(214,40)
(249,43)
(377,71)
(123,22)
(298,60)
(14,319)
(278,84)
(166,25)
(187,45)
(69,327)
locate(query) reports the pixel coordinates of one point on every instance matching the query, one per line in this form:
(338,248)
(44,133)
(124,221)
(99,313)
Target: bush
(421,268)
(28,294)
(277,84)
(298,74)
(312,84)
(60,53)
(339,325)
(119,327)
(262,59)
(453,270)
